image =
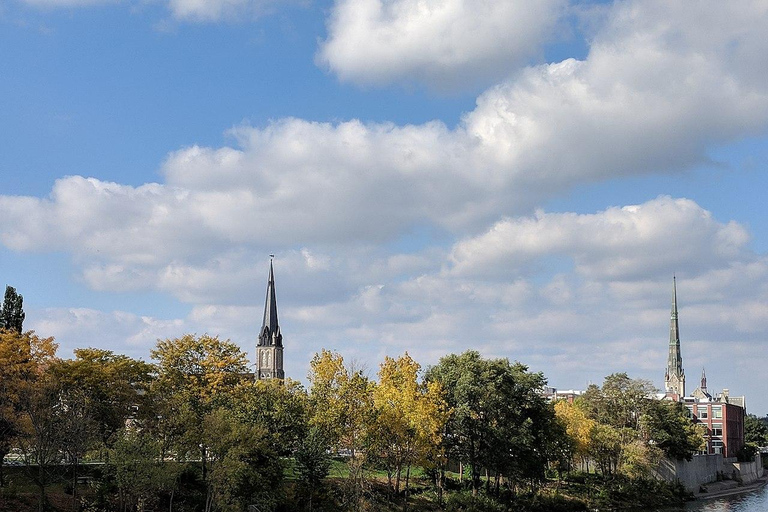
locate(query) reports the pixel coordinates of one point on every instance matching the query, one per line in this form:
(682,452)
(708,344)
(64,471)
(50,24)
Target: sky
(521,178)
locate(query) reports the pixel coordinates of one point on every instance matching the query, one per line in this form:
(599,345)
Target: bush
(747,452)
(465,502)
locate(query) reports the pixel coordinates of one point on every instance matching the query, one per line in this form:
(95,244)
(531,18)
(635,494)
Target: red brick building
(724,423)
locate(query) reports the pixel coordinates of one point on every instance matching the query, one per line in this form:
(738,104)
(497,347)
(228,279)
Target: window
(702,413)
(717,429)
(717,412)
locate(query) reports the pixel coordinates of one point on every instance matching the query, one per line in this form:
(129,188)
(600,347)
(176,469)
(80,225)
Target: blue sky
(522,178)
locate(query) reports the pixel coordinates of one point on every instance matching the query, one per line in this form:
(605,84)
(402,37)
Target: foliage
(281,407)
(632,429)
(666,425)
(244,469)
(12,312)
(578,427)
(113,387)
(499,419)
(312,462)
(342,408)
(755,430)
(410,418)
(138,470)
(466,502)
(24,358)
(747,452)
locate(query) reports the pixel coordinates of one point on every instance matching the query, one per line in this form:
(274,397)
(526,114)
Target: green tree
(280,406)
(12,313)
(755,430)
(244,470)
(312,462)
(138,470)
(499,419)
(667,426)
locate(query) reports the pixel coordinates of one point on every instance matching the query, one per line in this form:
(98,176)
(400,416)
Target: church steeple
(674,379)
(703,380)
(270,327)
(269,349)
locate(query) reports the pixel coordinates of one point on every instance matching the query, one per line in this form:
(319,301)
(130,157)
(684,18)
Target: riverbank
(729,487)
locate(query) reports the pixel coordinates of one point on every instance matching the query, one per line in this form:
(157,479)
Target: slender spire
(703,380)
(675,377)
(270,328)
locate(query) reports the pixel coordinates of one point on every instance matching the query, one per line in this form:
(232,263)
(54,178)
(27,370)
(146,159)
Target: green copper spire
(674,380)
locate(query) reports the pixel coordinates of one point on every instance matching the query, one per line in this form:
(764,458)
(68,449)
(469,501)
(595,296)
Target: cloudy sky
(518,177)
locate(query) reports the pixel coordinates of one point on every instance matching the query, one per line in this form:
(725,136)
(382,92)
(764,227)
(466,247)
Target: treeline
(193,430)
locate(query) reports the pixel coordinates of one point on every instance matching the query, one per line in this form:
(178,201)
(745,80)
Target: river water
(755,501)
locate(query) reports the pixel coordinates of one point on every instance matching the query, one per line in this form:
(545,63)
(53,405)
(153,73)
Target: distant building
(554,394)
(721,416)
(269,349)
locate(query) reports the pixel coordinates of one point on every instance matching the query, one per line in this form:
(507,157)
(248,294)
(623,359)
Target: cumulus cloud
(617,244)
(656,92)
(444,43)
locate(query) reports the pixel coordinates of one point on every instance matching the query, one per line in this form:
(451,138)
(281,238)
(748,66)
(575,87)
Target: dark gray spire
(270,328)
(703,380)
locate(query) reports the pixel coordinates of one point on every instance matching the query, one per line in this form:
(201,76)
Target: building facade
(722,425)
(269,348)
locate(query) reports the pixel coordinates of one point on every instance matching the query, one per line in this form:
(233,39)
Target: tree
(138,470)
(195,375)
(578,427)
(667,426)
(499,419)
(244,470)
(12,314)
(410,418)
(114,386)
(281,407)
(755,430)
(43,428)
(312,462)
(342,408)
(24,358)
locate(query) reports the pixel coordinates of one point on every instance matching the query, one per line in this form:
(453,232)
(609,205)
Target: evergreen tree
(12,315)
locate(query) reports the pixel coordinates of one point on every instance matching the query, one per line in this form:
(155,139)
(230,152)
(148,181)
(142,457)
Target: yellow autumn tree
(410,418)
(578,426)
(342,409)
(195,376)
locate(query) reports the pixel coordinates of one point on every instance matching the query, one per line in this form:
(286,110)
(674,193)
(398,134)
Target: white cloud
(617,244)
(656,92)
(445,43)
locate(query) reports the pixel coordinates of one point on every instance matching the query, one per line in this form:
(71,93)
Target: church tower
(269,349)
(674,379)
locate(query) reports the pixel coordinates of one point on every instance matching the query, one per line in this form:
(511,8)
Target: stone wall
(701,469)
(747,472)
(705,469)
